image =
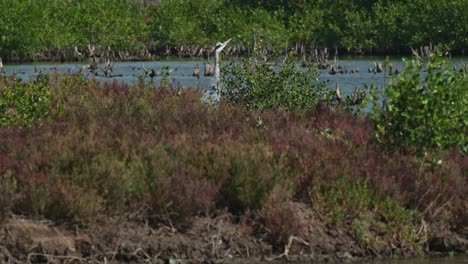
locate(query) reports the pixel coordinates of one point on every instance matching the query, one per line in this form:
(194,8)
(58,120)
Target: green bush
(423,111)
(257,85)
(23,104)
(39,25)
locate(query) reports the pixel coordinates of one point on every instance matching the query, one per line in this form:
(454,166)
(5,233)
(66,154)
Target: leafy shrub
(23,104)
(258,86)
(424,111)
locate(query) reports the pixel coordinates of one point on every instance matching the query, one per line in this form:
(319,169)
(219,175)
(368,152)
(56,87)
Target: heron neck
(216,70)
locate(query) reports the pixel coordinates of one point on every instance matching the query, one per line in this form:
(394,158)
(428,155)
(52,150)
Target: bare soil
(206,240)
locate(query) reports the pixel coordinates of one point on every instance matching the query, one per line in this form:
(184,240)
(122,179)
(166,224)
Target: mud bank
(206,240)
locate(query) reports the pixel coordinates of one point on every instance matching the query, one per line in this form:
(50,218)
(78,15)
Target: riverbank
(208,240)
(101,171)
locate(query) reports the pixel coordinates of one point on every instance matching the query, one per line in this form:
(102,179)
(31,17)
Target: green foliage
(24,104)
(206,22)
(422,110)
(19,19)
(307,24)
(443,23)
(388,20)
(257,85)
(185,22)
(40,25)
(360,31)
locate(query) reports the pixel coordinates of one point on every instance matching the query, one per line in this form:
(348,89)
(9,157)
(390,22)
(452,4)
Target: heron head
(221,45)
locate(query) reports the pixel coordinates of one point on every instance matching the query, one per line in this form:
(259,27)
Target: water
(183,69)
(181,74)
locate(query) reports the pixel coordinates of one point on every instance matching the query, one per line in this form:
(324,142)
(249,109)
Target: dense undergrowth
(104,149)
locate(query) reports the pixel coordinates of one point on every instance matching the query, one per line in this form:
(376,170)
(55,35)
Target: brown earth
(207,240)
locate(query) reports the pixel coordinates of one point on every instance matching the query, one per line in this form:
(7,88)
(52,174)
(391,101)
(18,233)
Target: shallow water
(182,72)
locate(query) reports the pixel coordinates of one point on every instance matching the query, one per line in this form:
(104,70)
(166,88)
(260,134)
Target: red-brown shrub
(127,146)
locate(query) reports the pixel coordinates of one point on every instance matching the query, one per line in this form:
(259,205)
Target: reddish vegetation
(165,159)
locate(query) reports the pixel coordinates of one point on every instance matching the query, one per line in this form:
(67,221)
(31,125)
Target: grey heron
(213,95)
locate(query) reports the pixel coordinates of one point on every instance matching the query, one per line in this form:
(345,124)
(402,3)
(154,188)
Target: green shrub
(255,84)
(23,104)
(422,110)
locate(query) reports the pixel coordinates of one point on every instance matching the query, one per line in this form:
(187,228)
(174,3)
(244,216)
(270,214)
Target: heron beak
(226,42)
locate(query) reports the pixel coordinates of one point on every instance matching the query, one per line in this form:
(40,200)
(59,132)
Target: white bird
(213,95)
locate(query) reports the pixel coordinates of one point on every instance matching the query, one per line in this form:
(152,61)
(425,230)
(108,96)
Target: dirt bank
(207,240)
